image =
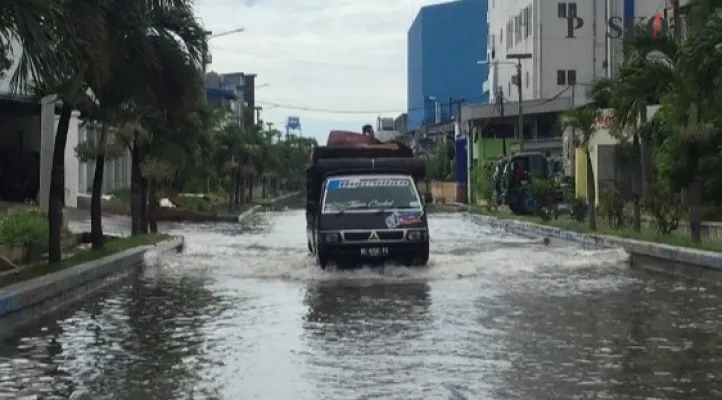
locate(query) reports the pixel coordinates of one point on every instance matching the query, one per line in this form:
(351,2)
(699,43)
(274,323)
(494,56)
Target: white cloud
(325,54)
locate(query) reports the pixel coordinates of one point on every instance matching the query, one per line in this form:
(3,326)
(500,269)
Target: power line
(397,111)
(311,62)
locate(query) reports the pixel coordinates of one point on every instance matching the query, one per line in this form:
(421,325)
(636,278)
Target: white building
(560,66)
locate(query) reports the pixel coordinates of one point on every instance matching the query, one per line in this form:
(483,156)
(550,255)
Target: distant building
(235,90)
(444,43)
(401,123)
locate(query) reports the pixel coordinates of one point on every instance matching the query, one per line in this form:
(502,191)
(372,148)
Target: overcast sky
(343,56)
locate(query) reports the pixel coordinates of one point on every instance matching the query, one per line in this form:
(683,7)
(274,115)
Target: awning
(541,106)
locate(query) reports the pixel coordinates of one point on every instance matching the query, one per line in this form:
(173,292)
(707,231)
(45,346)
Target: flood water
(245,314)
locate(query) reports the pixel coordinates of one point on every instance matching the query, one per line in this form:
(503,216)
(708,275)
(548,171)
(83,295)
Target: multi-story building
(237,92)
(444,42)
(566,45)
(570,44)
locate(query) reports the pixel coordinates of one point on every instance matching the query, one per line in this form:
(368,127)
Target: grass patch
(112,246)
(680,239)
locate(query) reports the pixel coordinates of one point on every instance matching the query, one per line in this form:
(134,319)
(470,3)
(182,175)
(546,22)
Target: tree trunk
(143,192)
(264,182)
(591,194)
(637,184)
(56,198)
(144,205)
(241,188)
(645,158)
(153,207)
(694,193)
(232,189)
(250,187)
(136,188)
(96,210)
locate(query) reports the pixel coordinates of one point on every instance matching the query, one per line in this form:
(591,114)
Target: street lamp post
(210,35)
(518,58)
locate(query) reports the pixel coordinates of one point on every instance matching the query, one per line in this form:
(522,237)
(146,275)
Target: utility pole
(677,20)
(500,104)
(469,148)
(518,82)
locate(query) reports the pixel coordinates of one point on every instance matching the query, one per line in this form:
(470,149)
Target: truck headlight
(414,235)
(331,237)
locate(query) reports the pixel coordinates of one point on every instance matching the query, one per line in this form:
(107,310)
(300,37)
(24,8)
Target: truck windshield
(370,193)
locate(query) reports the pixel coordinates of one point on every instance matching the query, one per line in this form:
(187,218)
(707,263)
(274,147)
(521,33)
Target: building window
(527,21)
(509,35)
(572,9)
(501,36)
(526,79)
(562,10)
(561,77)
(518,28)
(572,77)
(508,90)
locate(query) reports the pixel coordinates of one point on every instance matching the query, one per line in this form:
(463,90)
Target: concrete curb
(255,208)
(248,213)
(674,254)
(25,302)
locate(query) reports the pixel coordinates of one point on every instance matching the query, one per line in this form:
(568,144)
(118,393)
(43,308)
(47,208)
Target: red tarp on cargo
(349,139)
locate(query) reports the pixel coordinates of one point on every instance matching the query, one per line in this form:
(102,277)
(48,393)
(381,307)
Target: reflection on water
(651,338)
(244,314)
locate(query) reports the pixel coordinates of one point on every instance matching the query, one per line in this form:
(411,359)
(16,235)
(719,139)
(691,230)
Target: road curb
(248,213)
(25,302)
(676,256)
(270,203)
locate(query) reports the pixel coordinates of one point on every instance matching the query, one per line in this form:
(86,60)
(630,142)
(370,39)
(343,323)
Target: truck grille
(362,236)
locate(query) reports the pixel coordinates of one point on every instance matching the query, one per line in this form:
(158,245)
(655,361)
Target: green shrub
(611,207)
(579,208)
(544,193)
(202,204)
(665,207)
(481,177)
(27,228)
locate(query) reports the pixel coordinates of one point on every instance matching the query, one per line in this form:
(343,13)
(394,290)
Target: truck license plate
(375,251)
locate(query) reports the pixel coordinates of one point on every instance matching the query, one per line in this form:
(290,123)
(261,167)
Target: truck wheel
(418,258)
(321,258)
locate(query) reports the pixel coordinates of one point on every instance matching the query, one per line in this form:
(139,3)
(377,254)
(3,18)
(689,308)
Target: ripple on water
(245,313)
(459,249)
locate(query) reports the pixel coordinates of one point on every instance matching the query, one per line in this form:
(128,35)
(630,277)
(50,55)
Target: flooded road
(245,314)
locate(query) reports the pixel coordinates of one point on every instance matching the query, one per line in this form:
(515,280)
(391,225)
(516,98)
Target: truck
(363,204)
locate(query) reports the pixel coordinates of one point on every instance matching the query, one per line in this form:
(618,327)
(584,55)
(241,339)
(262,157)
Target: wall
(29,127)
(490,148)
(633,9)
(448,191)
(444,43)
(116,173)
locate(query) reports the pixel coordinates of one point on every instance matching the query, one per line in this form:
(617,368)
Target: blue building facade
(444,43)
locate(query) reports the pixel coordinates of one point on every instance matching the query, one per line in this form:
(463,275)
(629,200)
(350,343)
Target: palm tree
(28,22)
(81,62)
(637,86)
(167,50)
(690,103)
(582,121)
